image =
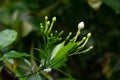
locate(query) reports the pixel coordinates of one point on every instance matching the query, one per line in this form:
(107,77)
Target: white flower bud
(81,25)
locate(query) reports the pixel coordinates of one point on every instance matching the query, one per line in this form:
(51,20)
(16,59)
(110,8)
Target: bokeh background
(101,18)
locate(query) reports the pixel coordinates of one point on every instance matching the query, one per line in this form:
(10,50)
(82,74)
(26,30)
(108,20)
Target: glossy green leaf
(34,77)
(14,54)
(60,63)
(56,49)
(63,52)
(7,37)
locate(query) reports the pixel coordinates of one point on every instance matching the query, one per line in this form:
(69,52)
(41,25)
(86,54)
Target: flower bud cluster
(69,45)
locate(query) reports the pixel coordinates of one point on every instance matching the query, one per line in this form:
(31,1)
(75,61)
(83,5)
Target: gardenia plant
(52,52)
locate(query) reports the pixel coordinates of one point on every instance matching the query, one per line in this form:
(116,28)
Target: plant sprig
(68,47)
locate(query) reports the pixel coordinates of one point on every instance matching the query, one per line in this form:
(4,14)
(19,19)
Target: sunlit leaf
(7,37)
(61,63)
(63,52)
(56,49)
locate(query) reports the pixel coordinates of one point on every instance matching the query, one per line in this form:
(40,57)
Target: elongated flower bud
(54,19)
(60,33)
(46,18)
(68,37)
(81,25)
(89,35)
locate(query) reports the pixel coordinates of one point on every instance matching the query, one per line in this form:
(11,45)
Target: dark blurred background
(101,18)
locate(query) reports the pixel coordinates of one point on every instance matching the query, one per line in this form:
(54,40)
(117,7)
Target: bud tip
(54,19)
(81,25)
(89,35)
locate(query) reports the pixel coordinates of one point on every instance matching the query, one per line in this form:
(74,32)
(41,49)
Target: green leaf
(14,54)
(34,77)
(7,37)
(43,53)
(24,64)
(63,52)
(56,49)
(23,68)
(60,63)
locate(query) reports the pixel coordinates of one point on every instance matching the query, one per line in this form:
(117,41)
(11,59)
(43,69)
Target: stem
(46,75)
(77,34)
(34,67)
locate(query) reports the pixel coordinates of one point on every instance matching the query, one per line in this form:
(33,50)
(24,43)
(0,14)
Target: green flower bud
(54,19)
(48,23)
(56,32)
(84,51)
(41,27)
(89,35)
(60,33)
(59,39)
(80,42)
(46,27)
(91,47)
(46,18)
(84,38)
(51,35)
(68,37)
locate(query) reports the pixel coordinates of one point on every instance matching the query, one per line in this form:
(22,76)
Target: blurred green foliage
(102,19)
